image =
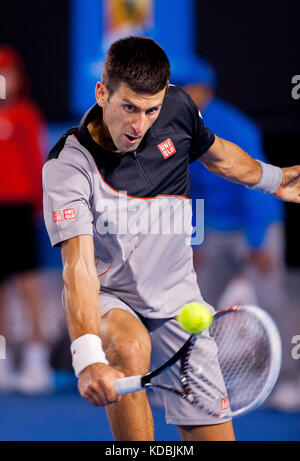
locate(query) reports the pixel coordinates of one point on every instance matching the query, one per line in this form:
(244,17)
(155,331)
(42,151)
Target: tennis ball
(194,317)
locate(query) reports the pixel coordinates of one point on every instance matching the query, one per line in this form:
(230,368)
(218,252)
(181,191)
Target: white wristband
(270,180)
(86,350)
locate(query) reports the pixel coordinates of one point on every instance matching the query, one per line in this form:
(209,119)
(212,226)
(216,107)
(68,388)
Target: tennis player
(124,280)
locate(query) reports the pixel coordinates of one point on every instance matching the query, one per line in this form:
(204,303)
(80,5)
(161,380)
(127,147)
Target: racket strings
(244,353)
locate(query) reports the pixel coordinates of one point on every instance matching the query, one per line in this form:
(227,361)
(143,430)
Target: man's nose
(138,124)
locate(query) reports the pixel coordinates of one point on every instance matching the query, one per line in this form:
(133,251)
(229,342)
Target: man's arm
(81,294)
(229,161)
(81,286)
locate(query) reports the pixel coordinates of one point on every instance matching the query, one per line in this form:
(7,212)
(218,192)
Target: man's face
(128,115)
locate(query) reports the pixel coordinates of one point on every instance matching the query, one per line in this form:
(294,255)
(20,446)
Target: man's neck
(101,135)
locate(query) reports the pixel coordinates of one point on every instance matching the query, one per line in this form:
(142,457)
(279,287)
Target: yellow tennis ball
(194,317)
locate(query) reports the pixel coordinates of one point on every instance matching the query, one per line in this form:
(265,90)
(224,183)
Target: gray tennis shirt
(135,205)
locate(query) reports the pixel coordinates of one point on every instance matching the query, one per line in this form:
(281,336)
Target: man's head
(138,62)
(134,81)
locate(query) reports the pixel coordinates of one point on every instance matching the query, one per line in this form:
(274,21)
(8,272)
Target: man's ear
(101,94)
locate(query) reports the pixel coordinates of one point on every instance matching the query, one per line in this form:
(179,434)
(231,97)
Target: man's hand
(289,189)
(96,384)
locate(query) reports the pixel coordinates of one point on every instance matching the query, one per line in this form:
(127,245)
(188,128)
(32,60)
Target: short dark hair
(138,62)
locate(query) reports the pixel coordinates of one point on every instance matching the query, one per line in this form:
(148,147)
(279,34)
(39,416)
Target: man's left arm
(230,162)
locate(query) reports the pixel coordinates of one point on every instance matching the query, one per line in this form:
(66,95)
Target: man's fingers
(99,389)
(104,393)
(106,386)
(96,395)
(90,397)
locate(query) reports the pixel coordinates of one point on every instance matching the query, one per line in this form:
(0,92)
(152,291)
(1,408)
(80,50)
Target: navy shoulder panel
(56,150)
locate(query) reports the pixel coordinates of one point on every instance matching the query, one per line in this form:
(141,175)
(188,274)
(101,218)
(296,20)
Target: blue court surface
(65,416)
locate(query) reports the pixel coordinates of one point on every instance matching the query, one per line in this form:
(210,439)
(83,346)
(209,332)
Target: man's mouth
(132,139)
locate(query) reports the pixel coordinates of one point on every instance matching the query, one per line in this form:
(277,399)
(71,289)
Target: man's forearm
(83,317)
(81,294)
(229,161)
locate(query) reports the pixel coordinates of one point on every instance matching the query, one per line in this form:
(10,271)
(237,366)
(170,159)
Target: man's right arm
(81,295)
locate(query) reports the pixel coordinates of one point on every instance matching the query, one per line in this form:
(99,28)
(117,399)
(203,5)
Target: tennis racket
(249,355)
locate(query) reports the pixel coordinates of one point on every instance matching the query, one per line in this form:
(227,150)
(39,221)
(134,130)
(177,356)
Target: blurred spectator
(21,129)
(242,258)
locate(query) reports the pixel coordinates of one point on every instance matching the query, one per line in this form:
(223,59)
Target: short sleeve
(202,137)
(67,195)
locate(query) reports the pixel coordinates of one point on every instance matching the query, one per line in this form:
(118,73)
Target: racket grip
(129,384)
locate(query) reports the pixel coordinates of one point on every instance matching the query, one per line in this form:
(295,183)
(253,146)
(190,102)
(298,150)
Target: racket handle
(129,384)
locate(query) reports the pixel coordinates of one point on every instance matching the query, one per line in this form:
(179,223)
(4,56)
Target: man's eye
(129,108)
(152,111)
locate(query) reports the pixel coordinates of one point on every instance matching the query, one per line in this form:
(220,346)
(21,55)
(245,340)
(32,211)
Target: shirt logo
(57,216)
(69,213)
(224,404)
(167,148)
